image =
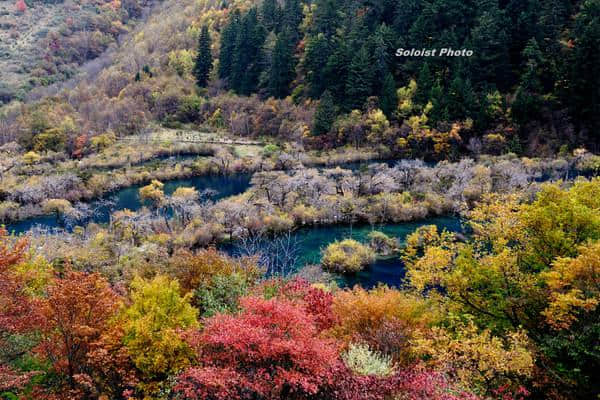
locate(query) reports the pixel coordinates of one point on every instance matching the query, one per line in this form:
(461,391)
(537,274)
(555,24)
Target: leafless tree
(279,255)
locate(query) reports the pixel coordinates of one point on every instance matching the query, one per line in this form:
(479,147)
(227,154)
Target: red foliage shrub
(316,301)
(269,351)
(421,385)
(79,146)
(21,6)
(11,380)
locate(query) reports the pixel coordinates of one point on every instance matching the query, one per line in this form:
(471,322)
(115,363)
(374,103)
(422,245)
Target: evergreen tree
(270,12)
(228,41)
(439,112)
(490,42)
(282,69)
(324,115)
(461,100)
(424,84)
(360,80)
(584,90)
(528,96)
(388,98)
(292,18)
(204,58)
(379,45)
(318,50)
(326,18)
(336,71)
(247,60)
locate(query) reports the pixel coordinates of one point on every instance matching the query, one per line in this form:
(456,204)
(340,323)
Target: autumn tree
(76,312)
(16,308)
(151,324)
(529,266)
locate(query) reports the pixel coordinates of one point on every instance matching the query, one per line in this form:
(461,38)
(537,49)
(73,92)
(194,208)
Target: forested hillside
(533,73)
(530,86)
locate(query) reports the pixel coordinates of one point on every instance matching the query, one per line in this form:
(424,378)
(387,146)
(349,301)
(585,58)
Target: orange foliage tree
(76,312)
(15,307)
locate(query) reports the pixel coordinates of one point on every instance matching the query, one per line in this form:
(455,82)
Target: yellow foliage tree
(347,255)
(476,357)
(151,325)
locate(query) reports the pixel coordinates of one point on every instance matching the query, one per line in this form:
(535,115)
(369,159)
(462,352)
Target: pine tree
(318,50)
(388,98)
(324,115)
(282,69)
(228,40)
(584,91)
(292,18)
(326,18)
(424,84)
(378,44)
(360,80)
(204,58)
(247,62)
(336,71)
(490,43)
(270,13)
(439,112)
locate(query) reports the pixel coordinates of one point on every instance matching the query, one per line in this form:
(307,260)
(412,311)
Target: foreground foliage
(509,313)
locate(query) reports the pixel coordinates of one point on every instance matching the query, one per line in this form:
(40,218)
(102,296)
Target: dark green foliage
(360,80)
(461,99)
(247,61)
(292,17)
(335,72)
(439,112)
(425,83)
(577,356)
(228,40)
(204,58)
(281,71)
(318,50)
(326,18)
(490,63)
(585,67)
(147,70)
(270,13)
(388,99)
(325,114)
(540,55)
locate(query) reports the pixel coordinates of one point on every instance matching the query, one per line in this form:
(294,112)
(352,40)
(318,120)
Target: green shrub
(222,296)
(363,361)
(51,139)
(347,256)
(382,243)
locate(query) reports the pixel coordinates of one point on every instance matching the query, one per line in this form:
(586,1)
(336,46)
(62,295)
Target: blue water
(308,243)
(128,198)
(389,270)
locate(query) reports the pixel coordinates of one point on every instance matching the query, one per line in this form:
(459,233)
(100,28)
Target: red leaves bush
(273,350)
(315,301)
(270,351)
